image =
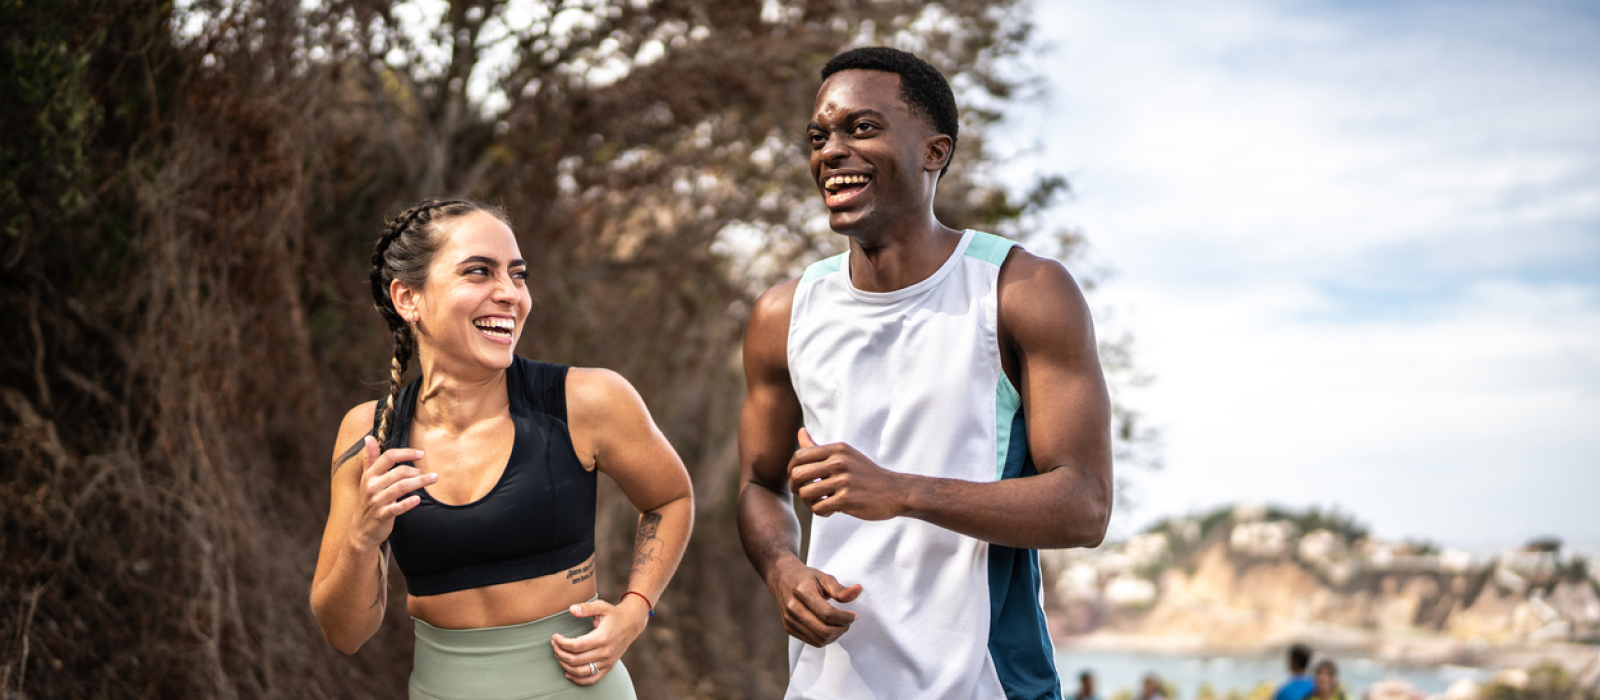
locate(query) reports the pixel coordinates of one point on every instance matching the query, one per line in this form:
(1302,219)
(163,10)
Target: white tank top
(912,379)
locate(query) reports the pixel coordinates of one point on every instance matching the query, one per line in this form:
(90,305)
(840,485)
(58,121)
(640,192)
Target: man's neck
(887,260)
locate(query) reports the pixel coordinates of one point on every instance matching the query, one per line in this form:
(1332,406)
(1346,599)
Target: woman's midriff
(507,603)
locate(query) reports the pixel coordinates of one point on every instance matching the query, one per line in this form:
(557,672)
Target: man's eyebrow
(868,112)
(486,260)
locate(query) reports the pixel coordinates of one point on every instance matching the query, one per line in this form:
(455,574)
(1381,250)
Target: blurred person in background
(1085,687)
(1299,686)
(1151,688)
(1326,678)
(935,398)
(480,475)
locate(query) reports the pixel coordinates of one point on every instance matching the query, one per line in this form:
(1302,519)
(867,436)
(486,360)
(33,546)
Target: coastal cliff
(1253,579)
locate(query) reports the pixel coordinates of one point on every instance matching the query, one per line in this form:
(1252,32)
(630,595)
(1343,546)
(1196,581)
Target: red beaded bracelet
(647,602)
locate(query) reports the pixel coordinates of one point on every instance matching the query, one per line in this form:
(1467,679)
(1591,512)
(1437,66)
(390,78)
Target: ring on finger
(593,669)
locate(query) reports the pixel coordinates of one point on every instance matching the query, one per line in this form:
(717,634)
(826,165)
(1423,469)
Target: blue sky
(1358,245)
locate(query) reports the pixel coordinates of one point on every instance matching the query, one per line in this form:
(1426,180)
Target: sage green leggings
(514,662)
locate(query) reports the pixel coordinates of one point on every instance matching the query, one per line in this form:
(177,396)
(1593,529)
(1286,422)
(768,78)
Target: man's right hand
(803,594)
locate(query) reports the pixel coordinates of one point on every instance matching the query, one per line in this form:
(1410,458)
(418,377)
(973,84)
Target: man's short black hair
(922,87)
(1299,657)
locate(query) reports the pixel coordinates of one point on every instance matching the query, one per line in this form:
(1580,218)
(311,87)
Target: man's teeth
(838,181)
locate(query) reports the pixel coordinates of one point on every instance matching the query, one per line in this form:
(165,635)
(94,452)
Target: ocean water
(1118,671)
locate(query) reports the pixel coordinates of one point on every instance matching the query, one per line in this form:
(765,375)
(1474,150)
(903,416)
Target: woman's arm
(350,589)
(610,422)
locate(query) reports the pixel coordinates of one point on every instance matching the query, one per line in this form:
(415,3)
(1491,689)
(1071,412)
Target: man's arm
(1046,329)
(767,526)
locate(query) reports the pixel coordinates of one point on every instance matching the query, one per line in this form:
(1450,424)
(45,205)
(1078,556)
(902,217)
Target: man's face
(869,153)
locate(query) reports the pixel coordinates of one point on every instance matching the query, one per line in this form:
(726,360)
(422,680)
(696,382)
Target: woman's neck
(455,403)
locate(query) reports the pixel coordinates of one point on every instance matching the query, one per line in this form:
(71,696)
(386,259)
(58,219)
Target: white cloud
(1360,248)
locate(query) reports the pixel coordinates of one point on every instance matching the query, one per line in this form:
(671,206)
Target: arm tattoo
(647,547)
(349,454)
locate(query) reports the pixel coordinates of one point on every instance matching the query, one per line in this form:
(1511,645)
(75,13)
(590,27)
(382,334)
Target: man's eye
(864,127)
(519,274)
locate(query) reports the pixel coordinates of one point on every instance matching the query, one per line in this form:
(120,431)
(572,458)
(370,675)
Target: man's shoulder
(1297,688)
(775,303)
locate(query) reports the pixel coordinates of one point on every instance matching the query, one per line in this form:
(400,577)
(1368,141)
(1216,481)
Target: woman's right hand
(383,489)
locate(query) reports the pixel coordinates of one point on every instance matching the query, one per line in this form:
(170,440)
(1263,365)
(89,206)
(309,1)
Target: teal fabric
(989,248)
(823,267)
(515,662)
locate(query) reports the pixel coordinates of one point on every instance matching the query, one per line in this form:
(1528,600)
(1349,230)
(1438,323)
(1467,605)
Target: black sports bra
(539,518)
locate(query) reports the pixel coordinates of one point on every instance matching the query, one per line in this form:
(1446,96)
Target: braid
(404,252)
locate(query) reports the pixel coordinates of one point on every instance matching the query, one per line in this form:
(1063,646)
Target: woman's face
(1326,680)
(472,311)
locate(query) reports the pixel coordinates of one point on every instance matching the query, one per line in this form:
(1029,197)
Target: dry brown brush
(187,203)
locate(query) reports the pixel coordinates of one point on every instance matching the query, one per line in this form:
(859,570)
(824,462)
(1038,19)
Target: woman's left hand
(615,628)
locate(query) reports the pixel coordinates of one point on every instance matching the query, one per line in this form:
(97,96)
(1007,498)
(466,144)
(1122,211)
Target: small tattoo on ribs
(581,574)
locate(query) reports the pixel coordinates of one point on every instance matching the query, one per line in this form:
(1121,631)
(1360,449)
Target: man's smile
(842,189)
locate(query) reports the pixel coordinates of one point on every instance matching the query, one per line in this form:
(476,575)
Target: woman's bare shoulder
(356,425)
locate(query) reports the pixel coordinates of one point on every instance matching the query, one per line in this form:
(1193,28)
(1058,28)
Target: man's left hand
(835,478)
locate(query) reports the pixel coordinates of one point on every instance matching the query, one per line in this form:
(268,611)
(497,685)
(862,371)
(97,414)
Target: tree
(187,217)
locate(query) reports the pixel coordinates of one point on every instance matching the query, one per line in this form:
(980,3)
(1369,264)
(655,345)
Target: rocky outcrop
(1260,584)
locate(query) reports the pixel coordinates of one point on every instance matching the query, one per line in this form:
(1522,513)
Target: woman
(1327,679)
(480,475)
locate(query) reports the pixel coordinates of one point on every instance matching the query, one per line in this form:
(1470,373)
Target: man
(1299,686)
(944,393)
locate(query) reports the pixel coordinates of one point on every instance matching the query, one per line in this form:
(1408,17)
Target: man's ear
(937,148)
(405,299)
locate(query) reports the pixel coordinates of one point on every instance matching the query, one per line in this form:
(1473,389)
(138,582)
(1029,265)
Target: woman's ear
(405,300)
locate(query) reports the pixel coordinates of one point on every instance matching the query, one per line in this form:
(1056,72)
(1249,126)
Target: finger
(805,439)
(803,624)
(399,507)
(847,594)
(400,487)
(823,613)
(801,474)
(801,633)
(590,609)
(369,450)
(808,489)
(811,452)
(838,591)
(577,664)
(377,483)
(386,462)
(582,644)
(819,633)
(827,504)
(587,676)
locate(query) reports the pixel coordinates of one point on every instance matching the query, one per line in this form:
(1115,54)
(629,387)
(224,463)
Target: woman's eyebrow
(486,260)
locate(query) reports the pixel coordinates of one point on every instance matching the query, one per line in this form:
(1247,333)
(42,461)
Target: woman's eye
(519,274)
(478,271)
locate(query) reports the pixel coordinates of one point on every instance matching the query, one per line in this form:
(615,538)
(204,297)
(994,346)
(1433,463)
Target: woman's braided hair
(404,253)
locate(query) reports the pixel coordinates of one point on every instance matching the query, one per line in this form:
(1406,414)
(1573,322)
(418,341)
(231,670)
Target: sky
(1357,245)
